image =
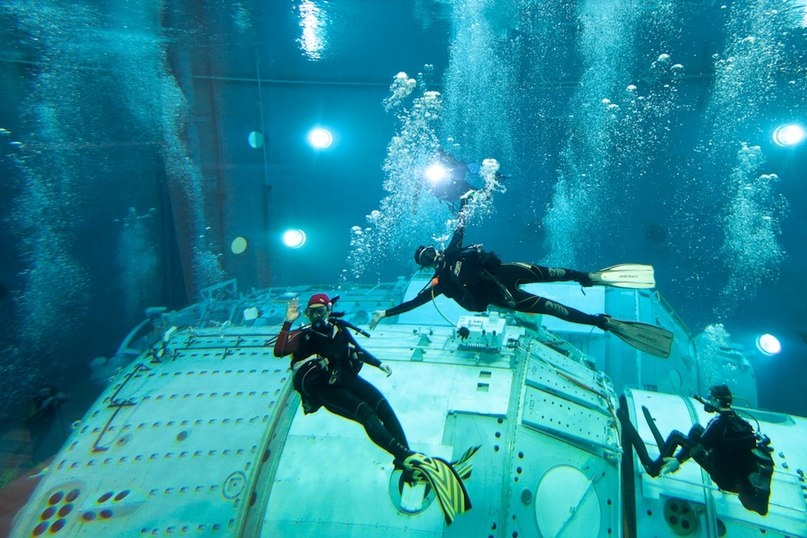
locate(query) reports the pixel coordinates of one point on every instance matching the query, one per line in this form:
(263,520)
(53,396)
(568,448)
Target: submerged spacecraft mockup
(202,434)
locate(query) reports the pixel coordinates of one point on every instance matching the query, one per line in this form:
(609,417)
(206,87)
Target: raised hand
(292,310)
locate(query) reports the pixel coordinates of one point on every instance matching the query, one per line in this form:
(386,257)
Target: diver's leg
(535,304)
(633,437)
(370,394)
(342,402)
(516,274)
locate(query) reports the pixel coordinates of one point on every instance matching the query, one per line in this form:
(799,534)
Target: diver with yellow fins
(326,360)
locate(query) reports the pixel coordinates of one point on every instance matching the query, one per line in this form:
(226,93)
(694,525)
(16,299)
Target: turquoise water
(628,132)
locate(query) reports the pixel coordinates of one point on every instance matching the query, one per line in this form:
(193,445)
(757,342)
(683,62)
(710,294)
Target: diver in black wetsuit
(326,361)
(476,278)
(727,449)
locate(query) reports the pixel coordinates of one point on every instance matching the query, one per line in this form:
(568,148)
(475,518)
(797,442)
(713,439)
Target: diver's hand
(378,315)
(292,310)
(386,369)
(670,465)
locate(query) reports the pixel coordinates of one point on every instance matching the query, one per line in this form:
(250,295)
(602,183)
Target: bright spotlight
(320,138)
(789,135)
(436,173)
(294,238)
(768,344)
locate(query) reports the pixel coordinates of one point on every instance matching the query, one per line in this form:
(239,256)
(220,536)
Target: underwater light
(255,139)
(436,173)
(294,238)
(788,135)
(768,344)
(238,245)
(320,138)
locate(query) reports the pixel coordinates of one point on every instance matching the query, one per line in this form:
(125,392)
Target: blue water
(628,132)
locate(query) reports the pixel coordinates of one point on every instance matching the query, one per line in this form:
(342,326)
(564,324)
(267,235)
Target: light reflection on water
(314,30)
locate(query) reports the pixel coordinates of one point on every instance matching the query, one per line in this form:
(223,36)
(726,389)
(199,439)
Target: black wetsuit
(727,449)
(326,362)
(475,279)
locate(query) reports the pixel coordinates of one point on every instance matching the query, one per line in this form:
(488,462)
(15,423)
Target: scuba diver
(476,278)
(326,360)
(736,459)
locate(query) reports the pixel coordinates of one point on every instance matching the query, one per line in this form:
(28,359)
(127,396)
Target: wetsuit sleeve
(457,238)
(362,354)
(418,300)
(287,341)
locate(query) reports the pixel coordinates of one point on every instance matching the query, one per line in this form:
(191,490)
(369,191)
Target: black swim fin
(651,423)
(642,336)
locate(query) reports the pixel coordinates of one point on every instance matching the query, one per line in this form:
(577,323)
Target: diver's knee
(383,407)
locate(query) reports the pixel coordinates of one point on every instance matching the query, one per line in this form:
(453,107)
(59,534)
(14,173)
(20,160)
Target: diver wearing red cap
(326,360)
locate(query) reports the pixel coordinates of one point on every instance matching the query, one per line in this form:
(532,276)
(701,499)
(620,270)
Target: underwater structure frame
(200,432)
